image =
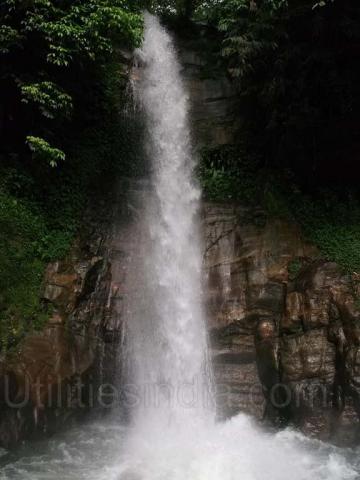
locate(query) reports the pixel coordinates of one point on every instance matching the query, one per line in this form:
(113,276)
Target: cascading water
(174,434)
(166,328)
(168,334)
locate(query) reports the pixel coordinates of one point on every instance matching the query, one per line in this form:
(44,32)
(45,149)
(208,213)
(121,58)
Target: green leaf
(43,150)
(50,99)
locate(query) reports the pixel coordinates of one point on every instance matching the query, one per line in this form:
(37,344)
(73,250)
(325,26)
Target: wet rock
(53,375)
(212,95)
(308,355)
(293,319)
(301,332)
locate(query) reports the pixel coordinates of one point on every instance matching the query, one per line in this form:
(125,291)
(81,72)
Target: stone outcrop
(39,378)
(214,118)
(55,375)
(284,325)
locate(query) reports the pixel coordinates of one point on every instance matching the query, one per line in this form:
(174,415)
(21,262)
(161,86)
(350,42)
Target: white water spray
(166,328)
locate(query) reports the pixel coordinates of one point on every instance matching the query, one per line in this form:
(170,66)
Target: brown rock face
(213,96)
(55,374)
(47,370)
(285,346)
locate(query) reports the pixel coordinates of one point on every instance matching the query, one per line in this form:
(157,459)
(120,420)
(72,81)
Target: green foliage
(42,150)
(274,202)
(333,224)
(329,219)
(294,268)
(226,173)
(250,36)
(299,91)
(9,38)
(37,225)
(45,47)
(182,9)
(48,97)
(24,247)
(85,28)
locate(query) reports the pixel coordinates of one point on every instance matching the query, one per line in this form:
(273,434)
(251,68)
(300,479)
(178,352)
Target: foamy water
(233,450)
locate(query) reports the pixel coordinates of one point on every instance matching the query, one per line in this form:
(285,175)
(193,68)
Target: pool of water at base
(234,450)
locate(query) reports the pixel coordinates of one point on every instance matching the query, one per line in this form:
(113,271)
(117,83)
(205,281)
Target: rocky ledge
(285,325)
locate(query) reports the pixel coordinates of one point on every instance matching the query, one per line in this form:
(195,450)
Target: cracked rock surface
(286,346)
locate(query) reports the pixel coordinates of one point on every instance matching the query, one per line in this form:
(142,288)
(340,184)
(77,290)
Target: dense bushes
(48,49)
(25,244)
(293,62)
(228,173)
(332,223)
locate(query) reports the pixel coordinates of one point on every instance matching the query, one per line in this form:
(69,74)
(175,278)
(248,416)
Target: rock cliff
(55,375)
(284,325)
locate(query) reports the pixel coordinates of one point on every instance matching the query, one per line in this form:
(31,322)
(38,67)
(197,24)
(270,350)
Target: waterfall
(173,434)
(167,333)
